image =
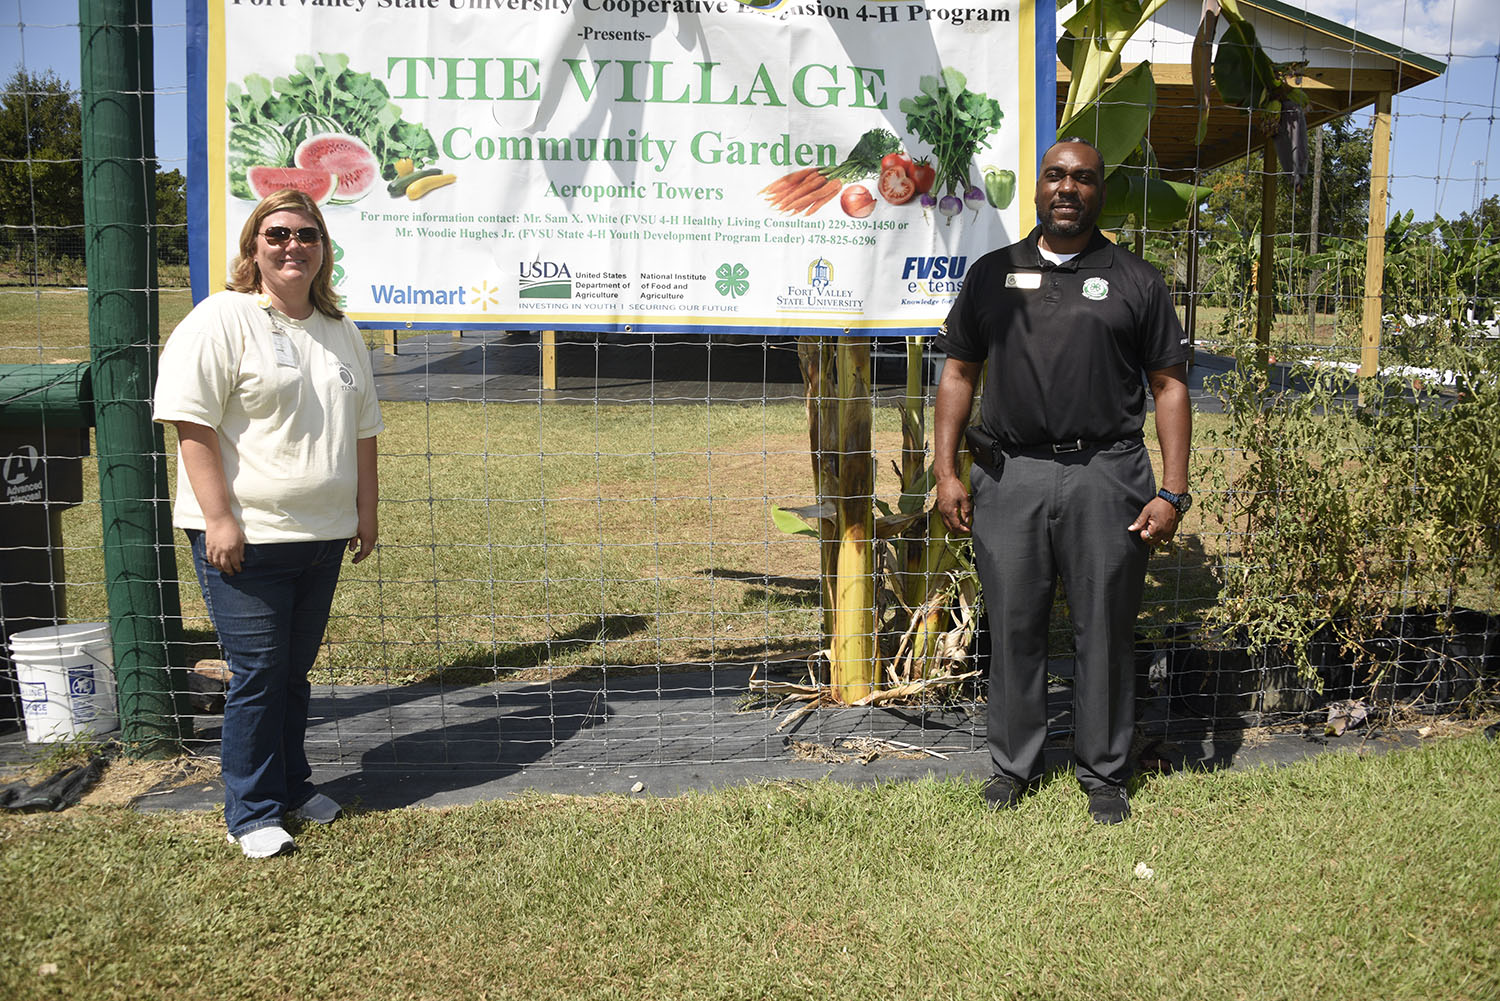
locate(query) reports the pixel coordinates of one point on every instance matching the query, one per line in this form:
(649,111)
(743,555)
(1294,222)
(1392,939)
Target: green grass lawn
(1343,877)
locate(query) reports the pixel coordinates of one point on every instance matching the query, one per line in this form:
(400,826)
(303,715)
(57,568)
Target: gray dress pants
(1063,516)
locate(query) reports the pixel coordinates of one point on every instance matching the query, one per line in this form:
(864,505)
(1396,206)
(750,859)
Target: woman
(270,388)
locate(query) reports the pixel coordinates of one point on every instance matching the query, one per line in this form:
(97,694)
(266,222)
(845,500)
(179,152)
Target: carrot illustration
(826,195)
(823,191)
(814,181)
(789,180)
(810,189)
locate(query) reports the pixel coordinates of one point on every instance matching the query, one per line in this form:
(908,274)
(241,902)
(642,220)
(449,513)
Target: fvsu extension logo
(545,280)
(934,276)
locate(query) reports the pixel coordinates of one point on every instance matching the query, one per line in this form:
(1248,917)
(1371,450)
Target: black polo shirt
(1067,344)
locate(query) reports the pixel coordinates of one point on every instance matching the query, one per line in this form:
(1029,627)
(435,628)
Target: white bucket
(67,681)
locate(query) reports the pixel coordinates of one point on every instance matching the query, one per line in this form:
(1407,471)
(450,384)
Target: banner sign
(626,164)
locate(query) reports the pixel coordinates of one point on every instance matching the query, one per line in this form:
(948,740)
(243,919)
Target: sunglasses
(307,235)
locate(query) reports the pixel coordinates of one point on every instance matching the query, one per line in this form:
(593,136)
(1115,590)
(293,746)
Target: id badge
(286,355)
(1023,279)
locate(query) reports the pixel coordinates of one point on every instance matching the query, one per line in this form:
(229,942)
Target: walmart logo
(486,295)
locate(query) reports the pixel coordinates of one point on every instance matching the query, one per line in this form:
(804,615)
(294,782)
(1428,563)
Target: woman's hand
(363,543)
(223,538)
(367,491)
(224,545)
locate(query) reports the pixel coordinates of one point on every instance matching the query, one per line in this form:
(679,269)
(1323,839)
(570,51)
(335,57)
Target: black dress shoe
(1109,805)
(1001,792)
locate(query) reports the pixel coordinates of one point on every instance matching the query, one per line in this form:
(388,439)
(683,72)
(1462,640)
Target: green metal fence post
(119,181)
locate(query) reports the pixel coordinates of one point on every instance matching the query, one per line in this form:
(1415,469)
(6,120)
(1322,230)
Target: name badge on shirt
(1023,279)
(282,345)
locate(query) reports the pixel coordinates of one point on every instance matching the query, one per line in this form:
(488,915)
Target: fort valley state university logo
(820,292)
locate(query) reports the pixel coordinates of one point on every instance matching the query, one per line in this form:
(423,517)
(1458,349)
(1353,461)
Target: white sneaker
(264,842)
(318,810)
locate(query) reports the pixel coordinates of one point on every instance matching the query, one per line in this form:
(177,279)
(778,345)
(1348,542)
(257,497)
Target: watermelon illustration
(316,184)
(337,153)
(304,127)
(254,146)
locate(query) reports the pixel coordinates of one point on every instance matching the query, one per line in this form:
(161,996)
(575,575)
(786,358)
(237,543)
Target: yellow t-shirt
(289,400)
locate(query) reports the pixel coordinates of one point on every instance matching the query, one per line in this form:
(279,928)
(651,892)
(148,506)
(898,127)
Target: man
(1069,324)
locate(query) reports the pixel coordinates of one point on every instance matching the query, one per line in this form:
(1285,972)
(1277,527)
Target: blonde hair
(244,273)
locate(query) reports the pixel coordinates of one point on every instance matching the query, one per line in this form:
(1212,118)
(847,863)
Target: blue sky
(1445,142)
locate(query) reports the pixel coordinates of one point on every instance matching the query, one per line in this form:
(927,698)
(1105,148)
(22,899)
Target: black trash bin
(45,412)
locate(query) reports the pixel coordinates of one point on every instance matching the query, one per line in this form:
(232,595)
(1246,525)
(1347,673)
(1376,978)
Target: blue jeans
(270,619)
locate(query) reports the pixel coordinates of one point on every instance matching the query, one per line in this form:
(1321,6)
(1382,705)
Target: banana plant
(1115,114)
(836,374)
(886,571)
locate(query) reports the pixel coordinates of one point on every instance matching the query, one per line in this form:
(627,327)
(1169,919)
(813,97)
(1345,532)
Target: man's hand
(955,397)
(954,505)
(1157,522)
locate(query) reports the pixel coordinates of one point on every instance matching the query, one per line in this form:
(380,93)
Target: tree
(41,174)
(171,217)
(1344,191)
(1483,223)
(1233,209)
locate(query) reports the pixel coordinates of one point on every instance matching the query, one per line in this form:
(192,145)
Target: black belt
(1055,448)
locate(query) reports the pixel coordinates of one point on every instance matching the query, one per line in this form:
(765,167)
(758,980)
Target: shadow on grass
(517,661)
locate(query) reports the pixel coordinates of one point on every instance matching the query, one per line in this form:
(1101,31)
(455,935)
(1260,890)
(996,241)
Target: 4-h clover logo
(734,280)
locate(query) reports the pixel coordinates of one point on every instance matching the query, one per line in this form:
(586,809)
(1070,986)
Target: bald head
(1069,194)
(1079,141)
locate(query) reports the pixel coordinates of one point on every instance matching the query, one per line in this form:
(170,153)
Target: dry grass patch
(126,779)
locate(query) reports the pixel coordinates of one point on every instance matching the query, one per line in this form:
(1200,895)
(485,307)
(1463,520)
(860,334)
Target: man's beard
(1053,226)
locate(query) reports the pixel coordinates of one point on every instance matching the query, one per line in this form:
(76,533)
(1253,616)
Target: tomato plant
(896,185)
(857,201)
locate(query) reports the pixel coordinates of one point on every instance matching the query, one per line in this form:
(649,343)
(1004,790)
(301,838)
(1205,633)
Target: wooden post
(1380,170)
(390,342)
(1265,273)
(549,359)
(1190,312)
(1313,276)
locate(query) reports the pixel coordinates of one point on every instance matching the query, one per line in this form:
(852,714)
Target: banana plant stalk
(854,662)
(816,357)
(913,585)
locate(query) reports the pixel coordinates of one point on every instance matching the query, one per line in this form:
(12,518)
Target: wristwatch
(1181,501)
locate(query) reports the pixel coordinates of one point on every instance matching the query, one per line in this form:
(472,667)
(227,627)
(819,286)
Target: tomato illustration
(857,201)
(896,160)
(923,174)
(896,185)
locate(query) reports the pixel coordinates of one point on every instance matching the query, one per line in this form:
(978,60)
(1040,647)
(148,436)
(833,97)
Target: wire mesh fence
(584,558)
